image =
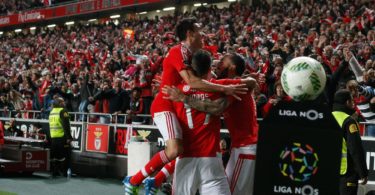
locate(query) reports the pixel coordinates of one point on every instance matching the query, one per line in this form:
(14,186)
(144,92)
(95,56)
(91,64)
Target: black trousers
(57,148)
(348,185)
(60,155)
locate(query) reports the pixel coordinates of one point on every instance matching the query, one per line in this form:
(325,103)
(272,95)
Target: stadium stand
(83,62)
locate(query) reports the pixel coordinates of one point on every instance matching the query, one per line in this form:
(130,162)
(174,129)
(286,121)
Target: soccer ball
(298,162)
(303,78)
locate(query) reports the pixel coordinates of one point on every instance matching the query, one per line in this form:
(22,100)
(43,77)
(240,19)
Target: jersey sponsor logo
(186,88)
(200,96)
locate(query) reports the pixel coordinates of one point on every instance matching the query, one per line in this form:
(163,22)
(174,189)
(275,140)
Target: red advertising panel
(121,139)
(148,1)
(31,16)
(69,10)
(97,138)
(35,160)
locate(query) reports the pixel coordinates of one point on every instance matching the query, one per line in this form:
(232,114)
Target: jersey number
(190,117)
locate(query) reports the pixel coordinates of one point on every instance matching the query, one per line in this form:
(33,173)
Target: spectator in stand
(6,106)
(145,78)
(366,92)
(13,130)
(260,100)
(136,106)
(358,98)
(280,95)
(71,96)
(15,98)
(34,84)
(276,74)
(102,104)
(118,99)
(28,107)
(86,91)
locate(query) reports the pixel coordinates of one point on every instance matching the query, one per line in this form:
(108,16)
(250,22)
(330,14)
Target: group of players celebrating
(187,112)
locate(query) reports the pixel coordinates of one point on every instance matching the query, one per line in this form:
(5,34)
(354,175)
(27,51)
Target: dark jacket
(118,101)
(65,122)
(72,101)
(357,168)
(332,83)
(13,131)
(86,89)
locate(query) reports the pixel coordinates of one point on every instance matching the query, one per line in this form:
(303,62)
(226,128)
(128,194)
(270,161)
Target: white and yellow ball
(303,78)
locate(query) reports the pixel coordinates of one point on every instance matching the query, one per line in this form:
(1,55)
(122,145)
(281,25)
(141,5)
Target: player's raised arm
(203,85)
(250,82)
(215,107)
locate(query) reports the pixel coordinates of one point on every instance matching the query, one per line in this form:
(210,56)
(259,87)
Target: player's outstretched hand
(235,90)
(173,93)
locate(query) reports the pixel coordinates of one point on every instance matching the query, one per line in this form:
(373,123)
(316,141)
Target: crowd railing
(103,118)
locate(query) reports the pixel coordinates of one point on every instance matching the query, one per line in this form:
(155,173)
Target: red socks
(155,164)
(165,172)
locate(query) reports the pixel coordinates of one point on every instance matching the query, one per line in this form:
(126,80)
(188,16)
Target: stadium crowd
(100,68)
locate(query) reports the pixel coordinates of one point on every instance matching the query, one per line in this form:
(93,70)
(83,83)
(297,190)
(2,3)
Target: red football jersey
(201,131)
(241,117)
(178,59)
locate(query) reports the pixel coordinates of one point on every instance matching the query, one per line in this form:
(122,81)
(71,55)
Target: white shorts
(241,169)
(168,125)
(205,174)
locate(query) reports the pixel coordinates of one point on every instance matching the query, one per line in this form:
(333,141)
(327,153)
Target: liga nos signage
(299,151)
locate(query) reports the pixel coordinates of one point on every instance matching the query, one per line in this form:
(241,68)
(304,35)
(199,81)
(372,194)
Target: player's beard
(223,74)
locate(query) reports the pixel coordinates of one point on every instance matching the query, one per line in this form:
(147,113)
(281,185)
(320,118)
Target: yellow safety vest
(340,118)
(55,126)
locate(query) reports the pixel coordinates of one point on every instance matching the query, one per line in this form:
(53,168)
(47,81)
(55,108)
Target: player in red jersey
(176,68)
(199,167)
(240,118)
(245,137)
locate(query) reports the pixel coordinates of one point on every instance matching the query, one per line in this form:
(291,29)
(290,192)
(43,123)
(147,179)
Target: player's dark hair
(185,25)
(239,62)
(201,62)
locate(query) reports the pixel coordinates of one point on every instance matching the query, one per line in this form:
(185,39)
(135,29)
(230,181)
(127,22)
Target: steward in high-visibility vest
(353,164)
(59,127)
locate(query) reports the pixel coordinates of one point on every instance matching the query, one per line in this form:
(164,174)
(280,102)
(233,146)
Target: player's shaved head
(201,63)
